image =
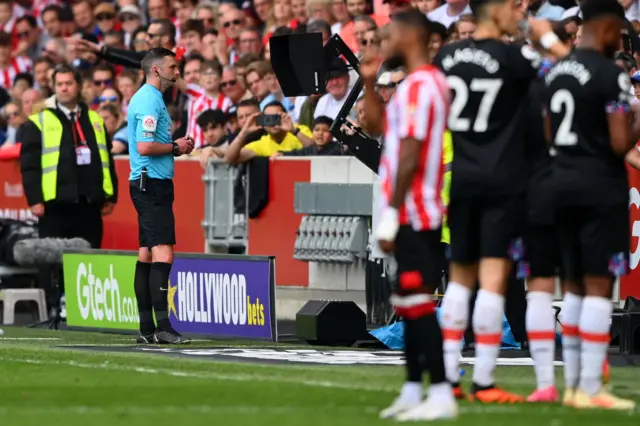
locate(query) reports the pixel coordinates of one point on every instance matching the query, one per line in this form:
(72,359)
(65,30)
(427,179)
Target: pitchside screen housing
(298,63)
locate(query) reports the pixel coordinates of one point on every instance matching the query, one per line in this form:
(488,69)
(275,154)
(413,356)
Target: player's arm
(373,104)
(619,114)
(407,165)
(542,32)
(633,158)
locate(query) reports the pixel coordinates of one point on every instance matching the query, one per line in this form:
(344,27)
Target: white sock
(454,319)
(411,392)
(441,393)
(541,330)
(595,323)
(487,327)
(570,318)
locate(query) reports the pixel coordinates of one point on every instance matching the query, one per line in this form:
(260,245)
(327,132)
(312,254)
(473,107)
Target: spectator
(116,128)
(10,67)
(356,9)
(370,43)
(22,82)
(7,20)
(29,99)
(127,84)
(41,69)
(571,25)
(212,123)
(110,96)
(299,13)
(337,90)
(232,23)
(210,99)
(320,10)
(209,42)
(635,79)
(542,9)
(139,40)
(463,28)
(30,38)
(130,18)
(206,12)
(437,38)
(159,9)
(51,20)
(257,83)
(324,143)
(232,86)
(191,72)
(388,82)
(449,12)
(192,32)
(243,62)
(104,15)
(340,14)
(426,6)
(183,10)
(83,17)
(284,137)
(102,76)
(322,27)
(264,9)
(114,38)
(12,113)
(250,42)
(361,26)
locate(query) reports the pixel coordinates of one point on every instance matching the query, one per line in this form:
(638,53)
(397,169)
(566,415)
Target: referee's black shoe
(145,339)
(170,337)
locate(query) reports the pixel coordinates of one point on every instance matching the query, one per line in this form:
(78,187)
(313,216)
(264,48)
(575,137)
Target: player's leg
(500,226)
(540,243)
(568,223)
(605,249)
(419,262)
(463,271)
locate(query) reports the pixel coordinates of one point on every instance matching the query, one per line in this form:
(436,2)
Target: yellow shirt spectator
(266,146)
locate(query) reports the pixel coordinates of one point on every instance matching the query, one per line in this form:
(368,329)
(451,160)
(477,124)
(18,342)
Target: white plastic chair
(11,296)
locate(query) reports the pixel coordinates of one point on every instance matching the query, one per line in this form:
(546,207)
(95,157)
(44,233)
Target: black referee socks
(159,285)
(143,297)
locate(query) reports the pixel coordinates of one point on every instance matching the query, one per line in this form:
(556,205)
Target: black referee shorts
(485,227)
(156,223)
(593,240)
(420,260)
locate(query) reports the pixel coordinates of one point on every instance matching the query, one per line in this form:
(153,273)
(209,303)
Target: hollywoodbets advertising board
(208,295)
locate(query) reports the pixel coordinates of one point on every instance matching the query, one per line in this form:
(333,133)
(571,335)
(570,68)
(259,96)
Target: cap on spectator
(106,8)
(338,69)
(384,79)
(635,78)
(130,9)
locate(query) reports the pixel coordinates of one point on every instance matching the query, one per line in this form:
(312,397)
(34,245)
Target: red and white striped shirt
(17,65)
(418,111)
(199,105)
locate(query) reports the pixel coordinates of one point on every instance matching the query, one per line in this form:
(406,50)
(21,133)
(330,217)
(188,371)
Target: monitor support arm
(363,147)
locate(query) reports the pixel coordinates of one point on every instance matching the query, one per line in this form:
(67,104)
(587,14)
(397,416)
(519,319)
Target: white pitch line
(240,409)
(29,338)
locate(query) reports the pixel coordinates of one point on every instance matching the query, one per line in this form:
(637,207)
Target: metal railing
(224,228)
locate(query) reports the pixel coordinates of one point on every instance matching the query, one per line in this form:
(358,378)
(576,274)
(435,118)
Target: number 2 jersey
(580,91)
(490,81)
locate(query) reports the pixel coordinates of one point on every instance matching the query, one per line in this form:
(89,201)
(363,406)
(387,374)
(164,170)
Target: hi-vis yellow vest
(51,138)
(447,158)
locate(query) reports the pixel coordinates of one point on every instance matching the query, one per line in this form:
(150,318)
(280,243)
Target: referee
(151,153)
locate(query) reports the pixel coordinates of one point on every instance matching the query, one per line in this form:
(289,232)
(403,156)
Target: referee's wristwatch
(176,150)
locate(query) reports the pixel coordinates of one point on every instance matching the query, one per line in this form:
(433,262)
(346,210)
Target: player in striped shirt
(411,173)
(210,99)
(10,67)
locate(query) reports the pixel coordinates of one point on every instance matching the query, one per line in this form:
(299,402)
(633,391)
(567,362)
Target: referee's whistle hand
(185,144)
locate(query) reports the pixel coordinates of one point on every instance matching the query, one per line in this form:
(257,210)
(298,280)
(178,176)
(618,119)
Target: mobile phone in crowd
(267,120)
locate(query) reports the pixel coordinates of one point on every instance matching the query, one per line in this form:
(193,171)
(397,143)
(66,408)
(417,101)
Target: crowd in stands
(227,78)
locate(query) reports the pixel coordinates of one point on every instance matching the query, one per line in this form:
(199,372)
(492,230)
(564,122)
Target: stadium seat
(10,297)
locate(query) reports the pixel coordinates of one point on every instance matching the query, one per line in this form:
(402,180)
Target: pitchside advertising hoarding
(208,295)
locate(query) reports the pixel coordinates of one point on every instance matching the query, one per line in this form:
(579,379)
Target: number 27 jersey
(581,90)
(490,82)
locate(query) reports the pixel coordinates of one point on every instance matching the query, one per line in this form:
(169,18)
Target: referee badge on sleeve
(149,123)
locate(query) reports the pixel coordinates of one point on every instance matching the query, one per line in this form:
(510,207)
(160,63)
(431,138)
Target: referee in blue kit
(151,154)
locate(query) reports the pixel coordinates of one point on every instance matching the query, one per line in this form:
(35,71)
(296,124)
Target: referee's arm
(31,162)
(146,125)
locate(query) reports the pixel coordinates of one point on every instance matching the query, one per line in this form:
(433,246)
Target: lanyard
(78,133)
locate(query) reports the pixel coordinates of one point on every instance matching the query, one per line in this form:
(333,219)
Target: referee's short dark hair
(153,56)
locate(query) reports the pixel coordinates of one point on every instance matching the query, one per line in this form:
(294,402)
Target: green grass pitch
(43,385)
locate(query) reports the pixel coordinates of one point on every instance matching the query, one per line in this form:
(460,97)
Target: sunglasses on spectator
(107,99)
(127,17)
(23,34)
(102,82)
(228,83)
(104,17)
(367,42)
(13,114)
(234,22)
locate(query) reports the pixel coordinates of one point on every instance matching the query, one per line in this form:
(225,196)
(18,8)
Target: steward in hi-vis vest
(68,172)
